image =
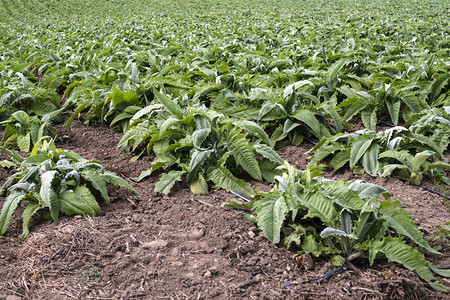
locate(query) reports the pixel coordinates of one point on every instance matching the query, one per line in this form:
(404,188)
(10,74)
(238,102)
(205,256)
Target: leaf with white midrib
(340,194)
(48,195)
(396,250)
(359,147)
(402,222)
(271,211)
(198,158)
(8,208)
(224,179)
(169,104)
(370,160)
(97,183)
(309,119)
(268,153)
(244,154)
(167,181)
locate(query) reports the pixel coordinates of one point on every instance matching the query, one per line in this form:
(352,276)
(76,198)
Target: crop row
(212,88)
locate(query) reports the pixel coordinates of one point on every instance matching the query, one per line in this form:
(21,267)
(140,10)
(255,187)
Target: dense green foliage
(348,216)
(210,88)
(52,181)
(398,150)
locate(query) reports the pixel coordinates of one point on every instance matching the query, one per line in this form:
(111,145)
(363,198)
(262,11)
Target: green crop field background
(212,89)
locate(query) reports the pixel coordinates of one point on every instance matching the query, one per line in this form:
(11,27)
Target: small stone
(278,270)
(258,278)
(207,274)
(251,234)
(196,235)
(155,244)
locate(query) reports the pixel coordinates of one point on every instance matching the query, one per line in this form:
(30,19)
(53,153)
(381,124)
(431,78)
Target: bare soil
(185,246)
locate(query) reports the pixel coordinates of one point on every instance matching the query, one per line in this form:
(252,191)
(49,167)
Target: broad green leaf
(199,136)
(400,155)
(366,190)
(311,245)
(35,132)
(48,194)
(419,159)
(255,129)
(271,211)
(324,151)
(169,104)
(8,208)
(21,117)
(412,102)
(328,232)
(309,119)
(345,220)
(142,112)
(268,153)
(388,169)
(402,222)
(438,85)
(337,260)
(292,87)
(394,110)
(244,154)
(87,197)
(339,193)
(289,126)
(117,180)
(318,206)
(198,158)
(28,213)
(167,181)
(359,147)
(199,186)
(24,142)
(167,124)
(143,175)
(438,164)
(269,170)
(370,160)
(97,182)
(440,272)
(396,250)
(12,153)
(336,118)
(224,179)
(73,204)
(334,69)
(340,159)
(369,117)
(358,104)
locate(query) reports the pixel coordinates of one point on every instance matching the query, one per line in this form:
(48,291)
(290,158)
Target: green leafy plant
(442,238)
(360,148)
(348,216)
(18,92)
(24,130)
(413,168)
(375,152)
(201,144)
(289,117)
(53,181)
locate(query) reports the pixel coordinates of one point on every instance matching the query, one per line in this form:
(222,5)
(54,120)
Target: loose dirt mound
(185,246)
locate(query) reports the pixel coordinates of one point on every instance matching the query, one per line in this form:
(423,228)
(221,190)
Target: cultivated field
(224,149)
